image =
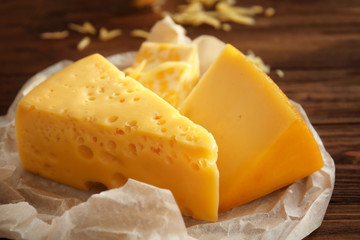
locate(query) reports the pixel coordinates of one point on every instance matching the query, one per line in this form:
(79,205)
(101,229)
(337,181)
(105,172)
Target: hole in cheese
(130,126)
(52,157)
(132,149)
(119,179)
(169,160)
(119,131)
(195,166)
(111,144)
(101,90)
(157,116)
(130,91)
(156,150)
(109,158)
(188,159)
(172,141)
(161,122)
(85,151)
(81,140)
(95,186)
(113,119)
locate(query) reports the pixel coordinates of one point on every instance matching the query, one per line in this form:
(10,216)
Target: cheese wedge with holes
(169,70)
(263,142)
(90,124)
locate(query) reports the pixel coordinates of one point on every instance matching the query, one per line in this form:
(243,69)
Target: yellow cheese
(169,70)
(263,142)
(89,123)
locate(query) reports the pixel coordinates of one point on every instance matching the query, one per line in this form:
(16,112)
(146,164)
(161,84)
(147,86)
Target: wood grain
(315,43)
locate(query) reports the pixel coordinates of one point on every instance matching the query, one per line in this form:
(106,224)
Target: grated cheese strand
(258,62)
(106,35)
(280,73)
(85,28)
(139,33)
(84,43)
(55,35)
(269,12)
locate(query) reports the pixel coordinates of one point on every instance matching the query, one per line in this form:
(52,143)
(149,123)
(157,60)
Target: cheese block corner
(89,123)
(263,142)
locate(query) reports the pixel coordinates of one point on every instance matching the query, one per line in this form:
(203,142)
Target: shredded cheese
(215,13)
(139,33)
(229,13)
(106,35)
(55,35)
(226,27)
(258,62)
(280,73)
(83,43)
(269,12)
(86,28)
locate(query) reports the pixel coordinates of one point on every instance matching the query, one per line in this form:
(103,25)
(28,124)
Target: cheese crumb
(226,27)
(258,62)
(86,28)
(139,33)
(106,35)
(55,35)
(83,43)
(280,73)
(257,9)
(269,12)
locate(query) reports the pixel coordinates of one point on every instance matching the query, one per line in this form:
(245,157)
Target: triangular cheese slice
(89,123)
(264,144)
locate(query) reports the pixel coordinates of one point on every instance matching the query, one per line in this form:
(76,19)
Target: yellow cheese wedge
(169,70)
(263,143)
(89,123)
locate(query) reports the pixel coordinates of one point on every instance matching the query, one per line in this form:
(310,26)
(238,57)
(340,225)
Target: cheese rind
(89,123)
(263,142)
(169,70)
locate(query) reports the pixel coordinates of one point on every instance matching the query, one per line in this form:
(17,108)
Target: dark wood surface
(315,43)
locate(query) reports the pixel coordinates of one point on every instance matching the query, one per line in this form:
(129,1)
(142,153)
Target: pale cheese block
(169,70)
(263,142)
(89,124)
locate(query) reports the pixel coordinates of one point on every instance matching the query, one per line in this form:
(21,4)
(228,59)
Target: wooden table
(315,43)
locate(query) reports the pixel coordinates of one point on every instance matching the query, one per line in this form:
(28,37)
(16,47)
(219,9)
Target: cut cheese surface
(263,142)
(89,123)
(169,70)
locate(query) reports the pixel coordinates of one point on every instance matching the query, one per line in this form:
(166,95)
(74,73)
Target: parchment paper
(32,207)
